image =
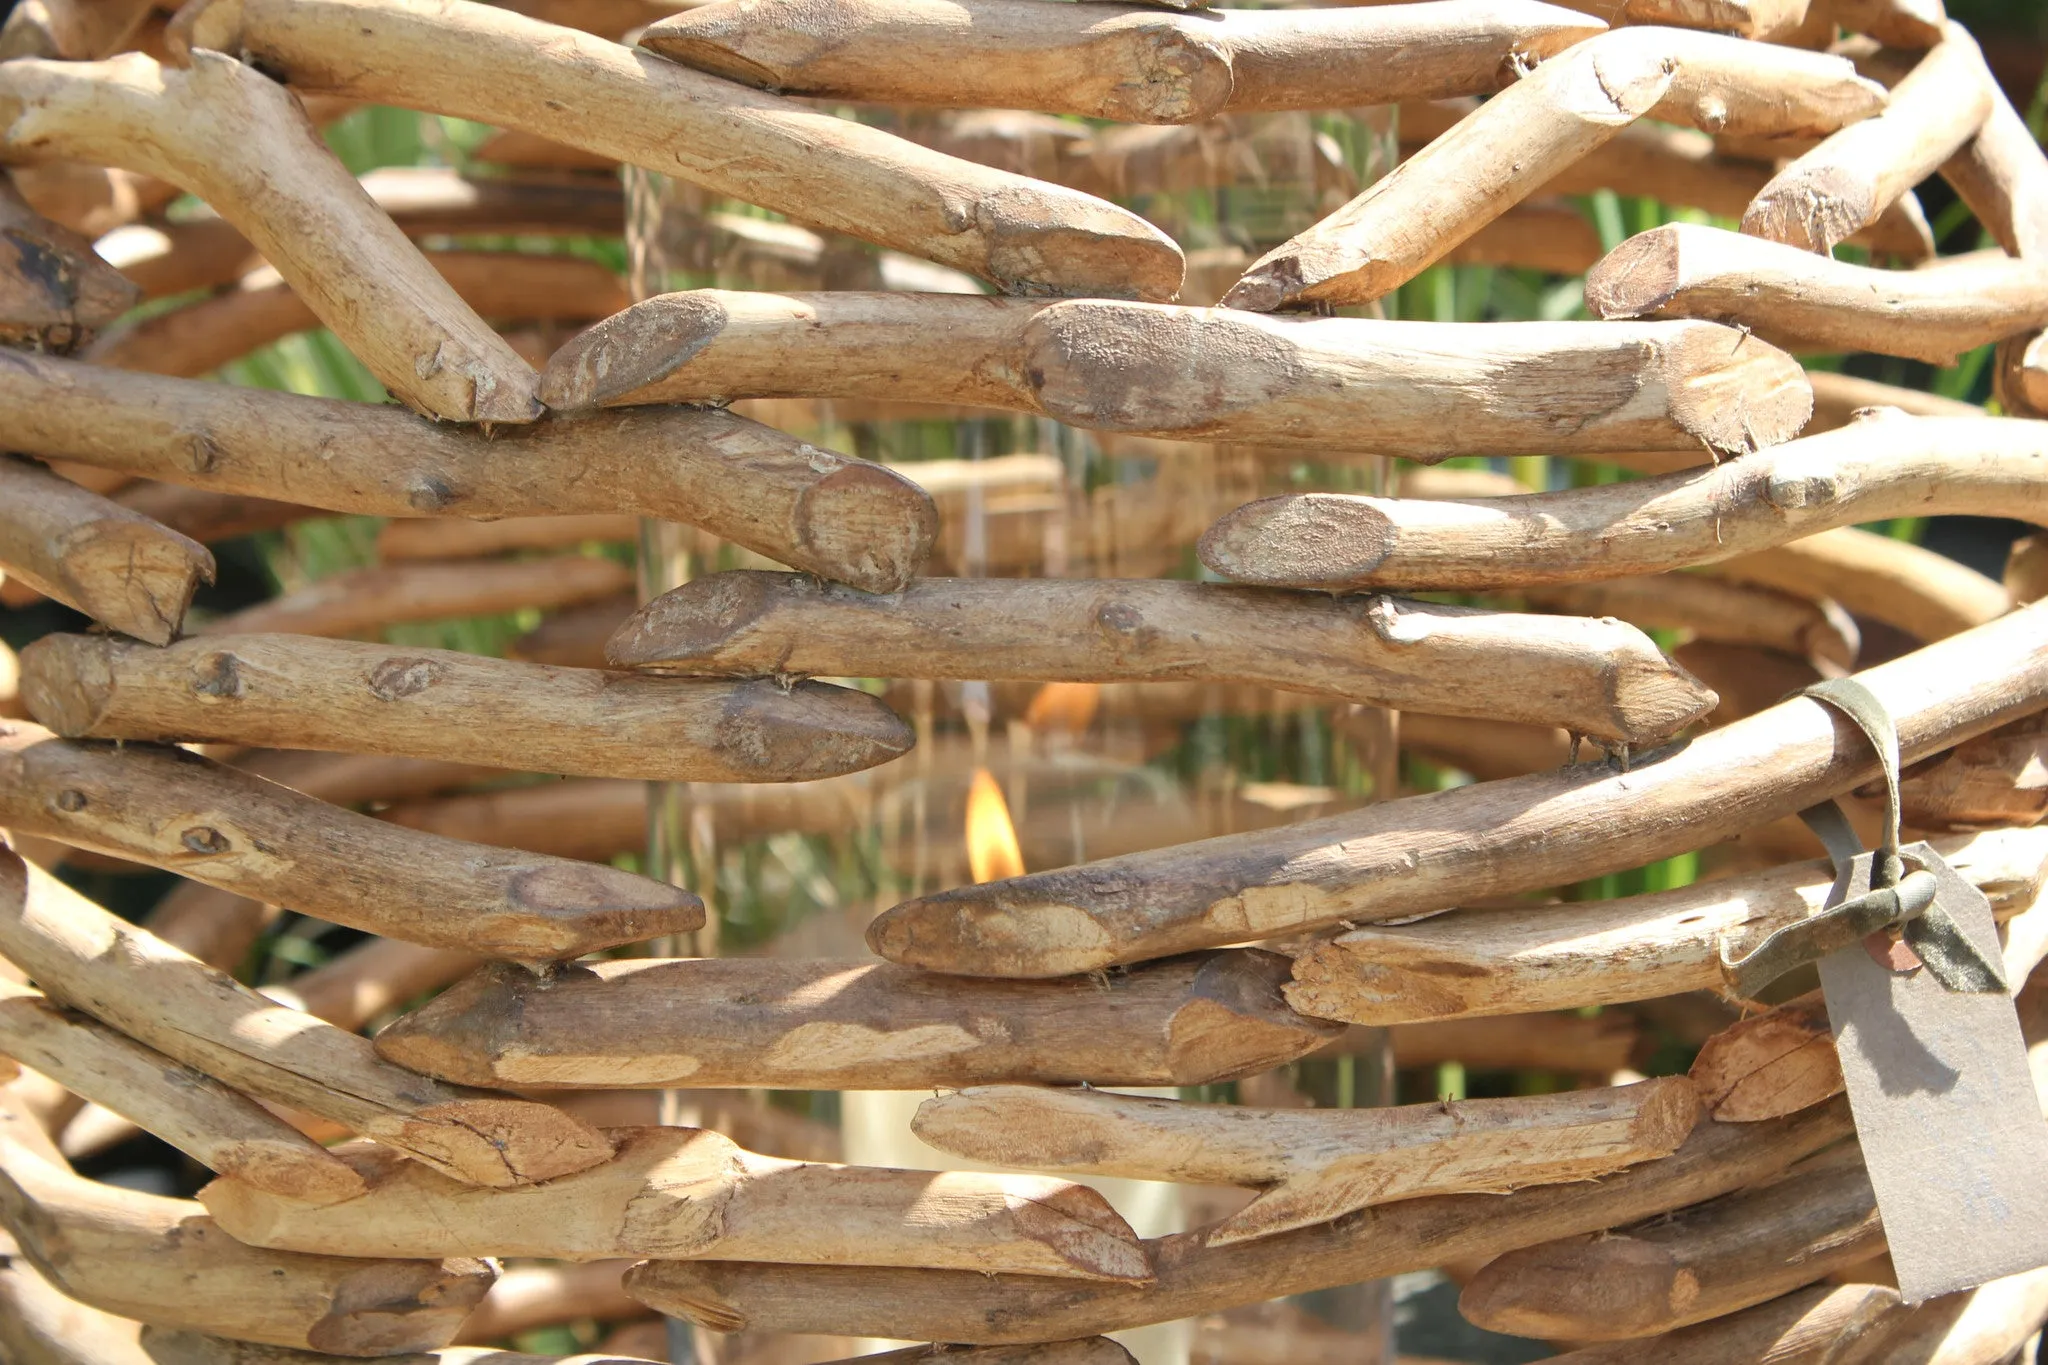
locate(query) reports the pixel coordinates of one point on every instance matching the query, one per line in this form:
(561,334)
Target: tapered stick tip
(292,1170)
(771,734)
(67,680)
(573,908)
(611,360)
(1041,239)
(389,1307)
(1626,1286)
(1312,540)
(998,929)
(1639,276)
(503,1142)
(691,1290)
(1813,209)
(458,1034)
(1078,1225)
(135,576)
(863,524)
(1734,392)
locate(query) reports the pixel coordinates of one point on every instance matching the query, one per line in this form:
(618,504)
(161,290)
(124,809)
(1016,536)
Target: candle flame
(1067,706)
(992,851)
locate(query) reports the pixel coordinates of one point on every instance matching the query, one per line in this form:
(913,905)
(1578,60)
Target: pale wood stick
(1995,779)
(596,818)
(448,538)
(1132,65)
(1714,609)
(1524,137)
(129,979)
(575,638)
(533,152)
(2025,577)
(1597,677)
(505,286)
(190,1348)
(55,291)
(1812,1326)
(530,1296)
(240,834)
(1689,1266)
(90,199)
(854,1026)
(215,926)
(1837,398)
(40,1326)
(1600,1045)
(1498,838)
(1504,962)
(1315,1165)
(210,517)
(638,108)
(361,779)
(363,601)
(1485,749)
(202,1118)
(1983,1327)
(1806,302)
(116,566)
(1895,23)
(812,509)
(1295,383)
(72,30)
(1194,1278)
(2001,174)
(1764,20)
(242,143)
(10,684)
(686,1192)
(372,979)
(1746,679)
(164,1261)
(296,691)
(1927,595)
(1884,466)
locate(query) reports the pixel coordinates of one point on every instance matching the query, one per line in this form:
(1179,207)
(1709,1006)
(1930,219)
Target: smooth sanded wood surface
(236,832)
(296,691)
(1595,676)
(644,110)
(828,514)
(55,291)
(1497,838)
(851,1025)
(1401,388)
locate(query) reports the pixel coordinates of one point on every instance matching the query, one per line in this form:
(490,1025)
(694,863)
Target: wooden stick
(1769,1064)
(1598,1046)
(188,1348)
(217,927)
(372,979)
(1881,467)
(686,1192)
(240,142)
(364,601)
(1895,23)
(1025,236)
(210,517)
(1696,1264)
(2026,569)
(55,292)
(40,1326)
(575,638)
(1133,66)
(71,30)
(361,779)
(1807,302)
(1193,1278)
(1596,677)
(1200,373)
(824,513)
(1429,852)
(1925,594)
(1485,749)
(129,979)
(1837,398)
(530,1296)
(10,684)
(1715,609)
(410,538)
(1840,187)
(854,1026)
(116,566)
(1524,137)
(1316,1165)
(202,1118)
(1995,779)
(2002,175)
(1811,1326)
(256,839)
(1983,1327)
(1497,962)
(295,691)
(1764,20)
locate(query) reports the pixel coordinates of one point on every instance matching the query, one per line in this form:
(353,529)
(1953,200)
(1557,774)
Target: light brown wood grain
(689,1193)
(1769,1064)
(1313,1166)
(296,691)
(360,779)
(90,553)
(1132,64)
(189,1348)
(1995,779)
(1837,398)
(242,835)
(530,1296)
(1895,23)
(210,517)
(1513,962)
(55,291)
(1824,1324)
(825,513)
(644,110)
(243,144)
(1981,1327)
(1595,676)
(371,979)
(1497,838)
(1599,1045)
(1194,1278)
(1720,610)
(1765,20)
(84,957)
(1882,466)
(73,30)
(1806,302)
(364,601)
(827,1025)
(40,1326)
(1395,387)
(1925,594)
(1840,187)
(410,538)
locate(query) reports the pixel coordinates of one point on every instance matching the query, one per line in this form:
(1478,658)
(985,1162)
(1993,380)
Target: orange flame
(1067,706)
(992,851)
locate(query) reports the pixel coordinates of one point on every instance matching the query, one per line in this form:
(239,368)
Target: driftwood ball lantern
(1019,683)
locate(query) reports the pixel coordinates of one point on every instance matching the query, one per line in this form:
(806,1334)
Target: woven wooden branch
(361,779)
(40,1326)
(1315,1166)
(1841,186)
(1397,387)
(1392,859)
(1714,609)
(1895,23)
(1837,398)
(1194,1278)
(1571,1043)
(1699,1263)
(1596,677)
(1876,468)
(415,538)
(117,566)
(371,979)
(55,292)
(296,691)
(644,110)
(827,514)
(253,838)
(242,143)
(713,1022)
(360,601)
(1806,302)
(1925,594)
(2003,177)
(164,1261)
(189,1348)
(1488,962)
(73,30)
(1133,65)
(1995,779)
(530,1296)
(685,1192)
(209,517)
